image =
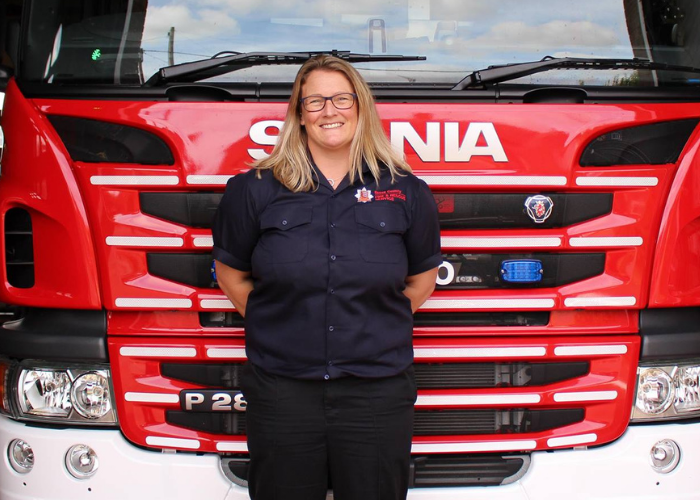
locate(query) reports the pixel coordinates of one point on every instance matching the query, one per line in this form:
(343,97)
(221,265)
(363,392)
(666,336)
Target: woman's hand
(419,287)
(236,284)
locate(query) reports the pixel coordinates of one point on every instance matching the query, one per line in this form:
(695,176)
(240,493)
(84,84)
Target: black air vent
(221,319)
(431,471)
(426,422)
(438,319)
(492,375)
(428,375)
(225,376)
(421,319)
(192,269)
(507,211)
(230,424)
(190,209)
(467,271)
(475,422)
(457,210)
(19,248)
(94,141)
(434,471)
(655,144)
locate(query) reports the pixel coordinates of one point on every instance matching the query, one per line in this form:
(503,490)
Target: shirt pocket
(381,230)
(285,232)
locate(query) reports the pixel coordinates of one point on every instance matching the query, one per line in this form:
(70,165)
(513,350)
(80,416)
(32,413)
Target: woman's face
(329,130)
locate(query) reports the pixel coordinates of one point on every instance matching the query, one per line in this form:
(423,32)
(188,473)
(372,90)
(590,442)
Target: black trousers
(355,431)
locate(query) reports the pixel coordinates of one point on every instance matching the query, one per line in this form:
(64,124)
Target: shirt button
(332,257)
(332,224)
(381,224)
(330,363)
(331,328)
(284,222)
(332,291)
(326,376)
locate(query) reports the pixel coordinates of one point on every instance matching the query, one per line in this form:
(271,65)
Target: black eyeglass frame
(326,99)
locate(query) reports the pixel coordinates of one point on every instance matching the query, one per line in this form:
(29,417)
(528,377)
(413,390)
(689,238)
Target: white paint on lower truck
(618,471)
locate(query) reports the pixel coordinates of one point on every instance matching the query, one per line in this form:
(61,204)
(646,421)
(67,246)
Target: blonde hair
(289,160)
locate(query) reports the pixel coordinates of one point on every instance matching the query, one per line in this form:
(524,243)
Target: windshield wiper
(207,68)
(506,72)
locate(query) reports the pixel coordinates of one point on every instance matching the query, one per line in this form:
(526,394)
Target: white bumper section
(620,470)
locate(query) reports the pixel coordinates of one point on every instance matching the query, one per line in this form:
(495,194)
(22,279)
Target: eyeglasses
(318,102)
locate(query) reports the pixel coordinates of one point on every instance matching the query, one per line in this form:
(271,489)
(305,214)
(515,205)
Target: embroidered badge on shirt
(364,195)
(390,195)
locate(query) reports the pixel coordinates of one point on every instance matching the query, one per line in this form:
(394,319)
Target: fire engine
(560,352)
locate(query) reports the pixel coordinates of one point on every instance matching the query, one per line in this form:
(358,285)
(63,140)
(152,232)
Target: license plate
(212,400)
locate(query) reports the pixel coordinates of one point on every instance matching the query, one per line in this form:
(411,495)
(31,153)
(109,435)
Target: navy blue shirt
(329,269)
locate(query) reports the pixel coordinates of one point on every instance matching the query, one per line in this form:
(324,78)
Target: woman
(327,247)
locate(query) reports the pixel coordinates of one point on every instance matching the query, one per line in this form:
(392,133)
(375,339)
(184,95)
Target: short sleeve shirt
(329,269)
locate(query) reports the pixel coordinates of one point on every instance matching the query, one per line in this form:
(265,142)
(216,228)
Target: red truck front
(560,353)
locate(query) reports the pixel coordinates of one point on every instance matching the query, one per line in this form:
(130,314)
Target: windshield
(124,42)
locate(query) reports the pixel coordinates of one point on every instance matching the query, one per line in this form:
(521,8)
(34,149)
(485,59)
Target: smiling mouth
(331,125)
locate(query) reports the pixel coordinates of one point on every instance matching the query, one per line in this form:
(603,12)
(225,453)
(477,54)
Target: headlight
(667,392)
(75,395)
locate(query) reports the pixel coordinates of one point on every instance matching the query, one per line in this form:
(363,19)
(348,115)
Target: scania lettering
(559,355)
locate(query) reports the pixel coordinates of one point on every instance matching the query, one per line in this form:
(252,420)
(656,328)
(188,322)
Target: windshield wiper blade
(498,74)
(206,68)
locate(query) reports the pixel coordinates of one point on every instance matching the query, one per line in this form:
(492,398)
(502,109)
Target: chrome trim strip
(156,303)
(216,304)
(151,397)
(618,181)
(477,399)
(505,242)
(599,301)
(570,397)
(159,352)
(226,353)
(473,446)
(203,241)
(143,241)
(606,241)
(134,180)
(190,444)
(572,440)
(218,180)
(235,446)
(478,352)
(590,350)
(488,304)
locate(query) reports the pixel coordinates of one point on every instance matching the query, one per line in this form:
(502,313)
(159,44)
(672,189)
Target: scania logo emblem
(539,207)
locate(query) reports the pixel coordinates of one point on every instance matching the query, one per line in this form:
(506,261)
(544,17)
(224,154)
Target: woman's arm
(419,287)
(236,284)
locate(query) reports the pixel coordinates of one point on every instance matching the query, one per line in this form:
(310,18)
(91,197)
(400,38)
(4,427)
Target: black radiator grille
(466,470)
(428,375)
(468,271)
(451,319)
(507,210)
(19,248)
(457,210)
(491,375)
(451,422)
(431,470)
(474,422)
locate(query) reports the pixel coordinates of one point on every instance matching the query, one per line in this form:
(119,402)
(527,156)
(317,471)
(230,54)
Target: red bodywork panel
(91,240)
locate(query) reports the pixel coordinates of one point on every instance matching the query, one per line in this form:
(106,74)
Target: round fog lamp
(21,456)
(655,391)
(81,461)
(90,395)
(665,456)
